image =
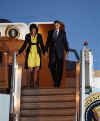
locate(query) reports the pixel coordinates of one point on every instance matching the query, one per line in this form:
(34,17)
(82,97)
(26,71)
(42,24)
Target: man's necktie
(55,34)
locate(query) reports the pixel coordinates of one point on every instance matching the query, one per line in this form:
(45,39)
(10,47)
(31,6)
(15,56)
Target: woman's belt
(33,43)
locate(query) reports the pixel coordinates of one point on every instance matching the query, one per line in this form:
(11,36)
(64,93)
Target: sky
(81,19)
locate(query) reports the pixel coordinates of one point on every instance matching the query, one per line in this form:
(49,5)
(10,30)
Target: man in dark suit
(56,42)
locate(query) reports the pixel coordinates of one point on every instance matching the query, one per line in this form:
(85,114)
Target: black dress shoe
(56,85)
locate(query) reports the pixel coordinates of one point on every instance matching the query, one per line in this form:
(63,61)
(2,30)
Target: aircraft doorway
(45,77)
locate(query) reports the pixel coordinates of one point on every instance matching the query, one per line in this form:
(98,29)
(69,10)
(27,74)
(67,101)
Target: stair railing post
(15,89)
(77,91)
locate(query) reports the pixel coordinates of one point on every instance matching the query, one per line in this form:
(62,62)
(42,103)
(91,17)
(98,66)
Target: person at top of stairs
(56,42)
(34,43)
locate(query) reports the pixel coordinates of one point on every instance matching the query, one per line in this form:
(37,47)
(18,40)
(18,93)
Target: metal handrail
(12,84)
(75,53)
(15,89)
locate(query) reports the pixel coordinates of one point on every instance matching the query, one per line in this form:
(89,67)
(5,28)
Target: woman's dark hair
(33,26)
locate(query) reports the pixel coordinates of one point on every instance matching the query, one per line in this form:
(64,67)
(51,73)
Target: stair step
(46,112)
(51,98)
(4,90)
(48,118)
(54,104)
(48,105)
(53,91)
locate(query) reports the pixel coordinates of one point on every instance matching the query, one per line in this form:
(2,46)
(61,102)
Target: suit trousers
(56,69)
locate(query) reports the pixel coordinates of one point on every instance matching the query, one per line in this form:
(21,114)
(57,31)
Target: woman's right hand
(46,54)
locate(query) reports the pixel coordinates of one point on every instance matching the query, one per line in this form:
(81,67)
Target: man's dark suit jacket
(56,47)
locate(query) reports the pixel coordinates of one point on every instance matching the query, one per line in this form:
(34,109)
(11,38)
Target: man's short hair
(57,22)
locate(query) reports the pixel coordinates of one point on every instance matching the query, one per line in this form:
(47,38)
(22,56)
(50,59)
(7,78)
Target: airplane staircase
(48,104)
